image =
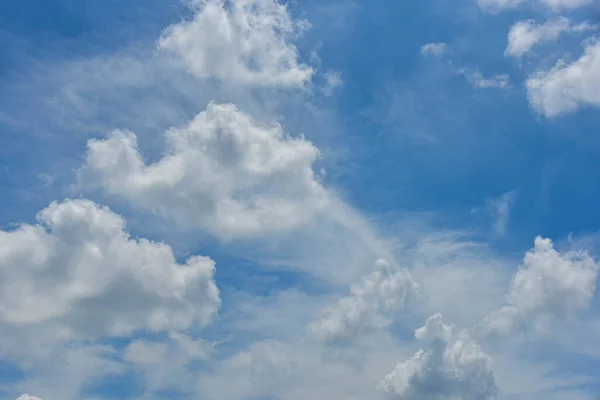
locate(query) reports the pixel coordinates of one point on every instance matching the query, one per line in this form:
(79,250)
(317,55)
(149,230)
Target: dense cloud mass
(452,367)
(385,290)
(224,172)
(549,286)
(79,269)
(240,42)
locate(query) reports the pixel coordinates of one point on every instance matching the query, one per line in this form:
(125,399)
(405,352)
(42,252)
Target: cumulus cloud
(223,172)
(524,35)
(79,270)
(239,42)
(549,286)
(567,86)
(385,290)
(27,397)
(452,367)
(434,49)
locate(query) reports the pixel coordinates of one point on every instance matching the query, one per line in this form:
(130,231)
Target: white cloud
(241,42)
(567,86)
(500,208)
(385,290)
(497,5)
(223,172)
(333,80)
(555,5)
(548,287)
(81,272)
(477,80)
(566,4)
(434,49)
(27,397)
(452,367)
(524,35)
(165,365)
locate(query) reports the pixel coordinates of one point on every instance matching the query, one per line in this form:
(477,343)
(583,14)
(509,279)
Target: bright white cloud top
(242,42)
(549,287)
(79,259)
(452,367)
(223,172)
(568,86)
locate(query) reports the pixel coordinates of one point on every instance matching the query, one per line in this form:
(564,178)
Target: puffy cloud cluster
(523,35)
(385,290)
(27,397)
(79,270)
(549,286)
(452,367)
(239,42)
(567,86)
(224,172)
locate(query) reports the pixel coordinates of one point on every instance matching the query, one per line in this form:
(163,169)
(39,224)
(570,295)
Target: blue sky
(348,172)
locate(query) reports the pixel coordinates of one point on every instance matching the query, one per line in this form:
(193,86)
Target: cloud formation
(550,286)
(567,86)
(555,5)
(385,290)
(240,42)
(524,35)
(223,172)
(434,49)
(453,366)
(79,270)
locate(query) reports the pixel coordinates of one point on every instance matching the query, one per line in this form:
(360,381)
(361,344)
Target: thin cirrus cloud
(555,5)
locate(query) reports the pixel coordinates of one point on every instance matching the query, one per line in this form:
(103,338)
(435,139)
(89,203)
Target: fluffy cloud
(567,86)
(434,49)
(241,42)
(525,34)
(223,172)
(79,270)
(384,290)
(452,367)
(549,286)
(27,397)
